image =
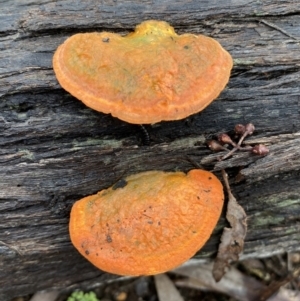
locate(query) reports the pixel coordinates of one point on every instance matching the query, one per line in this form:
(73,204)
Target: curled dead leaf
(232,240)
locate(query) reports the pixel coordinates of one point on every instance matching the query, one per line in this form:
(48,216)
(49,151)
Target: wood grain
(54,150)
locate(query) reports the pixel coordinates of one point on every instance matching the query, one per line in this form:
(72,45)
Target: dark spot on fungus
(105,40)
(186,47)
(209,178)
(108,238)
(120,184)
(87,252)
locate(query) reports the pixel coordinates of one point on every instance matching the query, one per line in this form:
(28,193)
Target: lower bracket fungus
(151,223)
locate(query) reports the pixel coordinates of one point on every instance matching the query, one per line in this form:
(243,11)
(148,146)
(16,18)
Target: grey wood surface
(54,150)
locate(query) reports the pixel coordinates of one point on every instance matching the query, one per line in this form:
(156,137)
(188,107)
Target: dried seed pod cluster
(148,223)
(242,131)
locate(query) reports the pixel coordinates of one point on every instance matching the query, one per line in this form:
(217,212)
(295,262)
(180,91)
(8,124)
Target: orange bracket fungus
(148,223)
(147,76)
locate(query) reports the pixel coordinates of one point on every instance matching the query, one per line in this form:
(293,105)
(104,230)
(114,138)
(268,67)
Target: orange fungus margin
(147,76)
(148,223)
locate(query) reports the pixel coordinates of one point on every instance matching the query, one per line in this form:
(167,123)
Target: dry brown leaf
(232,240)
(234,284)
(275,290)
(285,295)
(165,288)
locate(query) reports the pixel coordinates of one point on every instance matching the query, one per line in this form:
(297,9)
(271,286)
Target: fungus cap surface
(148,76)
(148,223)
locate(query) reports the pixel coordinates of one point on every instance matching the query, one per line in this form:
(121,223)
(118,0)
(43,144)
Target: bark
(54,150)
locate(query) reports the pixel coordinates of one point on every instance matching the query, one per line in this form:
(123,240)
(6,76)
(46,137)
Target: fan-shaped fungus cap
(149,223)
(148,76)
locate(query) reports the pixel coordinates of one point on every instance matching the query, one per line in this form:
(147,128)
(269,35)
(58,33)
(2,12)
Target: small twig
(229,153)
(13,248)
(249,129)
(193,162)
(226,182)
(277,28)
(145,135)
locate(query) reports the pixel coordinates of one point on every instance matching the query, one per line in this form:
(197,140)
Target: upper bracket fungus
(149,223)
(147,76)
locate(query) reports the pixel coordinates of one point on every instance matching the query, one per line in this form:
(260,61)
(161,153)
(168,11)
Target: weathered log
(54,150)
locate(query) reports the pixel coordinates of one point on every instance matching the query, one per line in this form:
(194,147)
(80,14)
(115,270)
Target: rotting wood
(54,148)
